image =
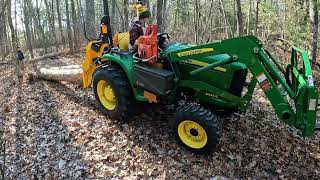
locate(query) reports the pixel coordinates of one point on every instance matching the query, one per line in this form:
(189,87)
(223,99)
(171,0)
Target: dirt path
(54,130)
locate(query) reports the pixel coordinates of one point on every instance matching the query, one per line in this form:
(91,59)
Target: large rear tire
(112,91)
(197,128)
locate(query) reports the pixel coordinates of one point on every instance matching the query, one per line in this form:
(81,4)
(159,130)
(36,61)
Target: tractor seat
(122,53)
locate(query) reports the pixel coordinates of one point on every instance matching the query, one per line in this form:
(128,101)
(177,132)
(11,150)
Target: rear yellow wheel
(192,134)
(106,95)
(112,91)
(197,128)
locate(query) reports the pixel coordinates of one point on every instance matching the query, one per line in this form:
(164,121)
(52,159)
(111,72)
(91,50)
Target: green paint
(243,54)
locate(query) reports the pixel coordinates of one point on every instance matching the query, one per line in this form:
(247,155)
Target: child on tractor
(138,25)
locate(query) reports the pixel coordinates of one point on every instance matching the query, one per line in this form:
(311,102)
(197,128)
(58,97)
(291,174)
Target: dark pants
(21,64)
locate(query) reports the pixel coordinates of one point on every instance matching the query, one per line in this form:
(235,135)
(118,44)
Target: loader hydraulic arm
(294,98)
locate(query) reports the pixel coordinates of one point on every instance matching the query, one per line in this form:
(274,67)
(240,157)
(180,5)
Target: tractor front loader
(207,78)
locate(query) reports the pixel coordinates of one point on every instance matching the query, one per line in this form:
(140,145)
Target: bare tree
(257,18)
(239,18)
(228,29)
(249,17)
(90,19)
(27,17)
(59,22)
(125,22)
(196,21)
(5,4)
(159,15)
(3,31)
(52,34)
(314,30)
(113,14)
(76,29)
(44,41)
(164,15)
(13,38)
(69,30)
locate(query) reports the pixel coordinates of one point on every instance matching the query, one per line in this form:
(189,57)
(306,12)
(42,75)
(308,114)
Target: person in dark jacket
(20,57)
(139,25)
(20,54)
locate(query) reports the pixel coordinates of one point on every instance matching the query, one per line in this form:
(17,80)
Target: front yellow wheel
(106,95)
(192,134)
(197,128)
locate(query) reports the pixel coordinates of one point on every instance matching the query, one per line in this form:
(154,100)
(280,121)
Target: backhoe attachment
(95,48)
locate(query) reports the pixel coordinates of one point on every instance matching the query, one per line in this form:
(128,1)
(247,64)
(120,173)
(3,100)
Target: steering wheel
(164,35)
(162,40)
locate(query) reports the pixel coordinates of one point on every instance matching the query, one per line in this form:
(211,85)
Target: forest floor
(55,131)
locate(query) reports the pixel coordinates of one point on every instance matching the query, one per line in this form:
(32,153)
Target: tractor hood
(177,46)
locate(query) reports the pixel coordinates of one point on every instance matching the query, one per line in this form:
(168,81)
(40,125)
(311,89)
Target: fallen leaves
(56,131)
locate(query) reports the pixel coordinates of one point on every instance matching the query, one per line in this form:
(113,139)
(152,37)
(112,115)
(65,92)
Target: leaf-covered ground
(55,131)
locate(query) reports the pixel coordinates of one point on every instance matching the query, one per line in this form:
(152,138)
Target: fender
(126,63)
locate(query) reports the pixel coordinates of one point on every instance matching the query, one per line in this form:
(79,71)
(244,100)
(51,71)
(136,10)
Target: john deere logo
(194,51)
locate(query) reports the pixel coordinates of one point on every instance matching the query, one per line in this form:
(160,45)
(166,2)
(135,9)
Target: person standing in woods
(20,57)
(139,25)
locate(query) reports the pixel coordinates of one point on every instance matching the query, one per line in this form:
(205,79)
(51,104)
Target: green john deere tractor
(216,75)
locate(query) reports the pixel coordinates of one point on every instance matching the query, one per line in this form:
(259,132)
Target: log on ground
(72,73)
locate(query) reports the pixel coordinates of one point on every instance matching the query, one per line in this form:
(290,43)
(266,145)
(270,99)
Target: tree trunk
(90,19)
(314,30)
(306,5)
(53,26)
(113,15)
(239,18)
(257,18)
(164,15)
(2,29)
(80,22)
(16,22)
(69,30)
(13,39)
(27,18)
(125,22)
(44,39)
(3,8)
(177,12)
(75,24)
(249,18)
(159,15)
(52,34)
(228,29)
(60,23)
(196,20)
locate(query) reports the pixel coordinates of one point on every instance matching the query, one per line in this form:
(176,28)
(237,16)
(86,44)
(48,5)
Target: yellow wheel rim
(106,95)
(192,134)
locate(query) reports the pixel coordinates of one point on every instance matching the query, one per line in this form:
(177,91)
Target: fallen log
(72,73)
(50,55)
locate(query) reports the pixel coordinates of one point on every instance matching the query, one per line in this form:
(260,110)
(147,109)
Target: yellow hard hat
(142,11)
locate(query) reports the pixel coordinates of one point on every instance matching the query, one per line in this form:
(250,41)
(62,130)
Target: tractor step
(317,127)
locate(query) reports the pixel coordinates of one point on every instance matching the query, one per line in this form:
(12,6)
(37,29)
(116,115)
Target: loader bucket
(301,91)
(302,84)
